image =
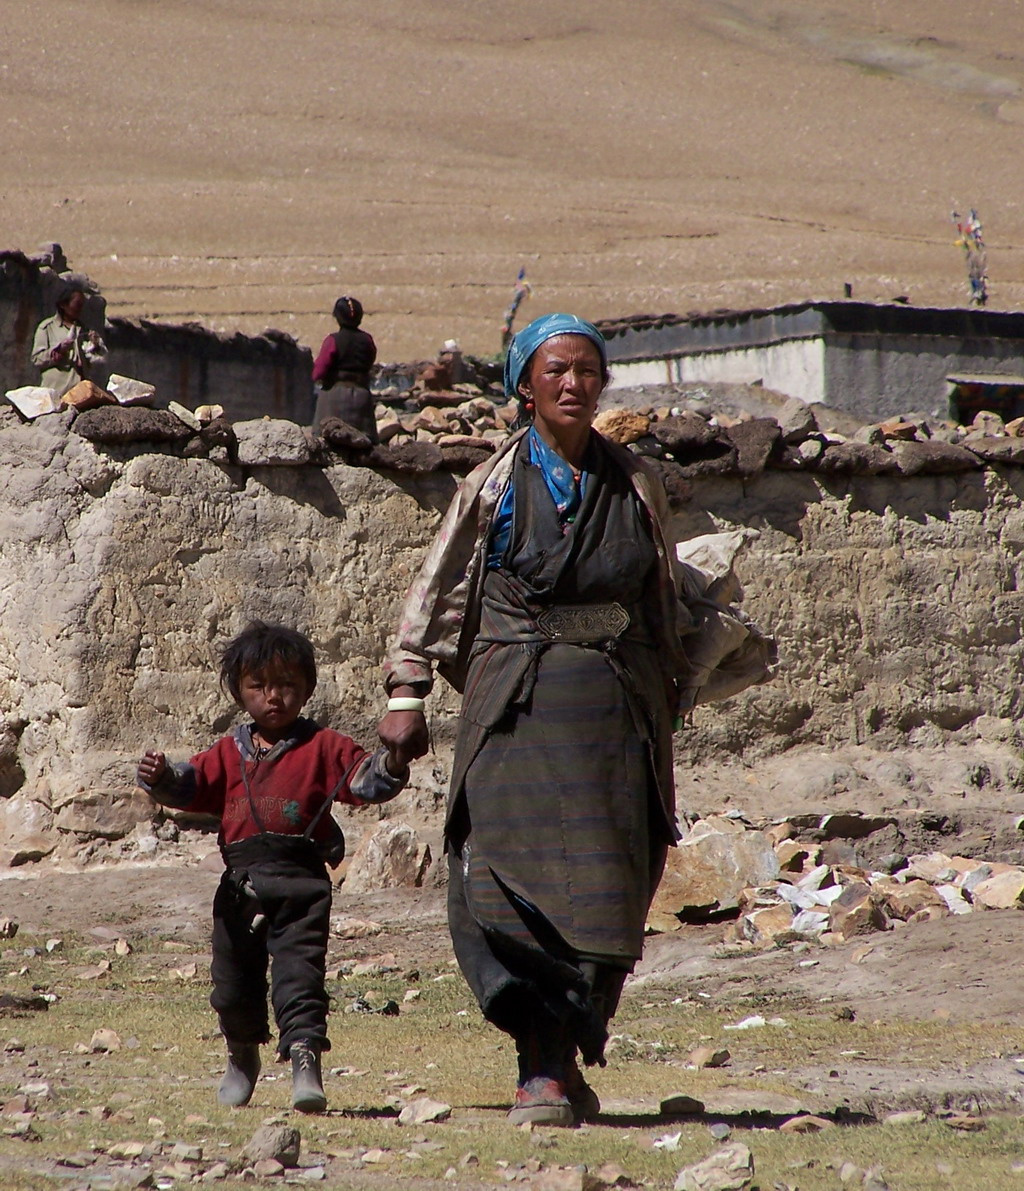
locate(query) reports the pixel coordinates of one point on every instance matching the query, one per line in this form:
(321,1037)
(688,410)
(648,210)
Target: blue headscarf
(526,342)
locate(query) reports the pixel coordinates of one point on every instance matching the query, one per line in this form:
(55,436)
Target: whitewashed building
(870,359)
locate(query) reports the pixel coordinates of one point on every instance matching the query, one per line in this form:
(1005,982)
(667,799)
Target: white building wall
(796,367)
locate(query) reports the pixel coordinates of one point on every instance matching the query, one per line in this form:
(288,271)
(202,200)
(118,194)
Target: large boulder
(105,814)
(390,857)
(710,868)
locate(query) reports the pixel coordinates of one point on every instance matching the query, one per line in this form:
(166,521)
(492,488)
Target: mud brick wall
(895,598)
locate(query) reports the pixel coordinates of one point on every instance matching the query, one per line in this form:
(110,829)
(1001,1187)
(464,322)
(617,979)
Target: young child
(272,782)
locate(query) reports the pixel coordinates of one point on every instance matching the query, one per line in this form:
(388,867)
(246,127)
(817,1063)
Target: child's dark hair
(258,647)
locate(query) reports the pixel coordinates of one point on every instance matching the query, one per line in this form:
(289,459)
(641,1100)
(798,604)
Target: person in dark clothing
(549,600)
(341,372)
(272,783)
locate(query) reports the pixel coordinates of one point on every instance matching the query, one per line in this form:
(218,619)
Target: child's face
(274,697)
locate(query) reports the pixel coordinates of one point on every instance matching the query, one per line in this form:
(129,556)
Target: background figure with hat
(341,372)
(63,350)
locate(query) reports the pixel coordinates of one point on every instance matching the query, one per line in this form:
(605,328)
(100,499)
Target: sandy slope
(243,161)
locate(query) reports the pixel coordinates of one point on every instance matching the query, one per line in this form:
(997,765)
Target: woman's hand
(405,735)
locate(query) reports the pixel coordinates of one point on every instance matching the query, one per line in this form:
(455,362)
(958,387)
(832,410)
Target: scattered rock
(806,1123)
(279,1142)
(32,401)
(856,911)
(680,1105)
(272,442)
(754,442)
(904,900)
(711,867)
(86,395)
(911,1116)
(267,1168)
(988,422)
(796,421)
(965,1124)
(185,415)
(811,450)
(899,430)
(355,928)
(1004,891)
(103,1041)
(770,925)
(94,972)
(708,1056)
(419,1112)
(730,1168)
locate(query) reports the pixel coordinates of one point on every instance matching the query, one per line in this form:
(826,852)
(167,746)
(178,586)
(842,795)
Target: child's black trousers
(273,903)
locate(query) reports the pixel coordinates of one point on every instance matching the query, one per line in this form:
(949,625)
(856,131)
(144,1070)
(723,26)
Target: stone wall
(251,376)
(895,599)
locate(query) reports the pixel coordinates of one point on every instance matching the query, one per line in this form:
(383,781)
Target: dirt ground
(244,162)
(963,971)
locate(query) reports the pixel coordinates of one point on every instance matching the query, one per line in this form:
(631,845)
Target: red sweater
(288,786)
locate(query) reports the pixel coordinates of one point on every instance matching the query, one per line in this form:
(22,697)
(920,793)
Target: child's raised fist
(152,768)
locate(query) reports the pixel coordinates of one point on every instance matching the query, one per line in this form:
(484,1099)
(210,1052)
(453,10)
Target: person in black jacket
(341,373)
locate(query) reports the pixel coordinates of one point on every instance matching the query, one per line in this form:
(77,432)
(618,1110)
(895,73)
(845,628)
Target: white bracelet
(405,704)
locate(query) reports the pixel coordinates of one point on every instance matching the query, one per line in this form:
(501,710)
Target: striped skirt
(559,854)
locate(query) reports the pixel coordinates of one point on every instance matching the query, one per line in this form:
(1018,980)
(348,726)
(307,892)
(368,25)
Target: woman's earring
(529,406)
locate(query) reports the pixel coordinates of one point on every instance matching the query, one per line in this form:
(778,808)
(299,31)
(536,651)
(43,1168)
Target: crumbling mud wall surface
(124,566)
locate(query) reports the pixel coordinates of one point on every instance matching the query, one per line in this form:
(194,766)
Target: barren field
(242,163)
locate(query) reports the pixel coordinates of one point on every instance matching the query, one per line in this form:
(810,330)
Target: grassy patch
(159,1087)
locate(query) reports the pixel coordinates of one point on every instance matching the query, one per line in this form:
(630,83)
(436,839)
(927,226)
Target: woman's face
(565,380)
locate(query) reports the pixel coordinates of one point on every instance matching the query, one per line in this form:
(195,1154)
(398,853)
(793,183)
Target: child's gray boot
(239,1080)
(307,1083)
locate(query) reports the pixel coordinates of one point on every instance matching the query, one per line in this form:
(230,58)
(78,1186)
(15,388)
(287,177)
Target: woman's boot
(307,1082)
(239,1080)
(540,1092)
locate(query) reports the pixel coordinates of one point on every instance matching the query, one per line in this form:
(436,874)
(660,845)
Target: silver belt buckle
(582,624)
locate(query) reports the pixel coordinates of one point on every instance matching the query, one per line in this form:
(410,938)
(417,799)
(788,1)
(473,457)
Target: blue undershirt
(561,483)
